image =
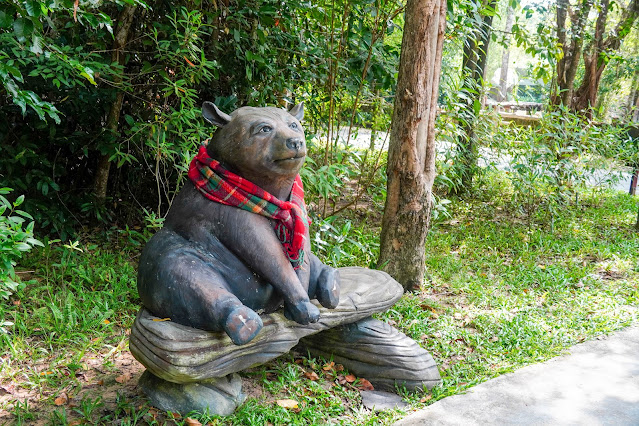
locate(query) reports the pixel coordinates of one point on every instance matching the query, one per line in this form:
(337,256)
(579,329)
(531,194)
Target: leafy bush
(15,239)
(548,163)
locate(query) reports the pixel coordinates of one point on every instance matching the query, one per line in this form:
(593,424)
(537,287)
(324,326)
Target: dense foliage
(80,92)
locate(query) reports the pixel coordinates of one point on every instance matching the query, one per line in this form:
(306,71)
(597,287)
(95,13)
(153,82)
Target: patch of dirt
(611,274)
(253,389)
(103,375)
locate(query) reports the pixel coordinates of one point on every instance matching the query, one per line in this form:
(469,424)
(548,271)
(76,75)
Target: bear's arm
(252,238)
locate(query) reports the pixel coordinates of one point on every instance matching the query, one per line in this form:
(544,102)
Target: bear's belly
(172,266)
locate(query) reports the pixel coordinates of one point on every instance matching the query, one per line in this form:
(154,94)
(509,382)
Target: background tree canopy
(99,101)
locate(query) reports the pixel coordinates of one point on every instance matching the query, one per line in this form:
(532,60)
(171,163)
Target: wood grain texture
(378,352)
(181,354)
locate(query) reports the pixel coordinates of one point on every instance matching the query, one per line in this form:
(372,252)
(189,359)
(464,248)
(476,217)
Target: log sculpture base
(184,360)
(374,350)
(219,396)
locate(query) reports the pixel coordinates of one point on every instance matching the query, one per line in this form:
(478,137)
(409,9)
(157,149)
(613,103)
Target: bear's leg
(186,288)
(324,283)
(242,325)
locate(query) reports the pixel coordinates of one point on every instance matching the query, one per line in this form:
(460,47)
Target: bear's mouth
(290,159)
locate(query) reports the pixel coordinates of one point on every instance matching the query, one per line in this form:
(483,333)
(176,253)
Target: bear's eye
(266,129)
(293,126)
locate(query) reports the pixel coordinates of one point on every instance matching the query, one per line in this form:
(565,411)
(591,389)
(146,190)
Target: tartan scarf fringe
(222,186)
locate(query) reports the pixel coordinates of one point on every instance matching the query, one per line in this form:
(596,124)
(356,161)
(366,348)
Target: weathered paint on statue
(216,266)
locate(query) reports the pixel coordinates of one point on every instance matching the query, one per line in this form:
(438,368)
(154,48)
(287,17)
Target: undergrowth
(501,292)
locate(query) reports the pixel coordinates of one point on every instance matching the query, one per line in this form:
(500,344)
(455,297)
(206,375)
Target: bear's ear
(213,115)
(297,111)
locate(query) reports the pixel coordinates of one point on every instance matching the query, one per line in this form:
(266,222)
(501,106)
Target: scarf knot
(225,187)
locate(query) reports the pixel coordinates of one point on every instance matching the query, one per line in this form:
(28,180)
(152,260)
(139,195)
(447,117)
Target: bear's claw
(302,312)
(242,325)
(327,292)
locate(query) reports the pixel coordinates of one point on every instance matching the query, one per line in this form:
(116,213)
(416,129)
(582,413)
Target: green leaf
(476,106)
(23,246)
(36,44)
(88,74)
(22,28)
(6,19)
(33,8)
(24,214)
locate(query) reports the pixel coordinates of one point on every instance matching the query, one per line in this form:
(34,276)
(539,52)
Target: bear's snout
(294,143)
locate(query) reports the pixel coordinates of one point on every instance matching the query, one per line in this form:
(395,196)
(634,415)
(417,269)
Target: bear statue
(235,242)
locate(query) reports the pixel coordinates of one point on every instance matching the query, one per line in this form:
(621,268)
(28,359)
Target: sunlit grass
(500,293)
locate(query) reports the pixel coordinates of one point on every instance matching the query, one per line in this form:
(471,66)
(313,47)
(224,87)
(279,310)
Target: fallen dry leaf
(61,400)
(161,319)
(76,422)
(365,385)
(16,303)
(287,403)
(311,375)
(329,366)
(426,398)
(339,367)
(350,378)
(123,378)
(192,422)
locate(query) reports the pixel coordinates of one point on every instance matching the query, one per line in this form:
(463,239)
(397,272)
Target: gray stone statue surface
(234,249)
(217,261)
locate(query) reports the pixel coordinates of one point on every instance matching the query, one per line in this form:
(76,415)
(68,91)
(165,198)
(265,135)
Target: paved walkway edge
(596,383)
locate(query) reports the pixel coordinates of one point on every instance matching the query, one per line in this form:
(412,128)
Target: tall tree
(411,156)
(601,44)
(596,53)
(473,68)
(505,56)
(568,64)
(117,57)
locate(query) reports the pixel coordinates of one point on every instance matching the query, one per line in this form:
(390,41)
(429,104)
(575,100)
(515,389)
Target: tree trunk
(585,96)
(505,57)
(411,156)
(568,64)
(632,97)
(121,36)
(473,67)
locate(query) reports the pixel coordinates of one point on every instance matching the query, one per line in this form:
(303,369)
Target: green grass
(501,292)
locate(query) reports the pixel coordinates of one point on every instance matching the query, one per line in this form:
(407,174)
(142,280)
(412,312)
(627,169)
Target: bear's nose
(294,143)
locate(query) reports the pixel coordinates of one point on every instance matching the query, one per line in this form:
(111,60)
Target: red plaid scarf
(222,186)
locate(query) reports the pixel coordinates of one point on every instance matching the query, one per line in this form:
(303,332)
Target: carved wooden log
(181,354)
(373,349)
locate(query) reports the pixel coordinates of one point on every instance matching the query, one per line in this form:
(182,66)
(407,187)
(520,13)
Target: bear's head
(264,145)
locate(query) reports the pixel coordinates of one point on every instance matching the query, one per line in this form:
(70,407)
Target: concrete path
(597,383)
